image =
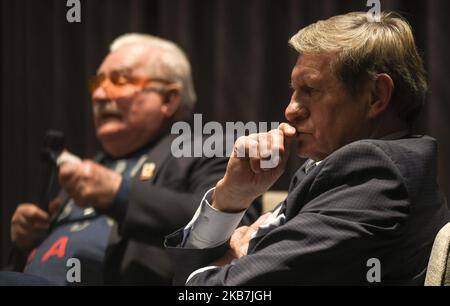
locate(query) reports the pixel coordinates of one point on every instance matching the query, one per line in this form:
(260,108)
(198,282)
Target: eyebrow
(309,76)
(126,71)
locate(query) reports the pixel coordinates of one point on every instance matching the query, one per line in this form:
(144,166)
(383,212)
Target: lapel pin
(148,170)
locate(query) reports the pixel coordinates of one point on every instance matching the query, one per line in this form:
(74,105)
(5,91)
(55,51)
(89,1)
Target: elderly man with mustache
(117,209)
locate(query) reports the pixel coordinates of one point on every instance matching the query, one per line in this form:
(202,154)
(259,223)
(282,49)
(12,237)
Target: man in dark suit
(365,207)
(117,209)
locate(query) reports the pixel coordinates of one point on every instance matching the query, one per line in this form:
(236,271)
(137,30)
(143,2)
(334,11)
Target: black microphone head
(52,145)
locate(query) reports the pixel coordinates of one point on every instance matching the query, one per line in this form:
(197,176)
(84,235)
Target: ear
(381,95)
(171,101)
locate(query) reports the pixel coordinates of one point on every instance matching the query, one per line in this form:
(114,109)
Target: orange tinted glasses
(121,83)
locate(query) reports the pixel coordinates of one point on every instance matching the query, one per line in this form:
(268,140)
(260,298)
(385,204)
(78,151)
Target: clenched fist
(89,183)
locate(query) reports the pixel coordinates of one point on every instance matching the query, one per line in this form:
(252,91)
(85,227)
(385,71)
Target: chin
(111,140)
(114,147)
(110,130)
(301,152)
(304,152)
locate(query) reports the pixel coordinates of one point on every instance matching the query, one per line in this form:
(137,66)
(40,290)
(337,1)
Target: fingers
(25,239)
(263,150)
(239,233)
(251,148)
(265,144)
(68,174)
(238,242)
(30,212)
(31,218)
(73,178)
(29,225)
(241,237)
(275,150)
(67,158)
(287,129)
(89,183)
(247,147)
(40,227)
(256,163)
(68,169)
(34,227)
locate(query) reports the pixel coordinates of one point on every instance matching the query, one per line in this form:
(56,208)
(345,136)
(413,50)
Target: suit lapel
(157,156)
(298,192)
(289,205)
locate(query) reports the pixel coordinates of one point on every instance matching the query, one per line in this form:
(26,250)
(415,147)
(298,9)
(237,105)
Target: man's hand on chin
(256,163)
(89,183)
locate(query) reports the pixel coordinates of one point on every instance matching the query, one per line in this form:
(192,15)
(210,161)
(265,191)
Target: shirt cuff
(210,227)
(201,270)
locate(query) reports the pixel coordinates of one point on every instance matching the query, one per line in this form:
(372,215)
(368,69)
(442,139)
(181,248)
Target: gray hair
(167,62)
(365,48)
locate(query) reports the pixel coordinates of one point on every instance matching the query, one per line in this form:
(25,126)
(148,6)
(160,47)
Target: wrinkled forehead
(131,58)
(312,67)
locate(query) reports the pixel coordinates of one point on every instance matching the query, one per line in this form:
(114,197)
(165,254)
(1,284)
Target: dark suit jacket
(370,199)
(157,207)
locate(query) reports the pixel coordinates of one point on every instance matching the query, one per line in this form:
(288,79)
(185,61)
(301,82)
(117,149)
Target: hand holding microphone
(87,182)
(67,158)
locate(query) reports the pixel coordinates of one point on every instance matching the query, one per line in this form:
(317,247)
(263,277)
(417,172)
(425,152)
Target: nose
(296,112)
(99,94)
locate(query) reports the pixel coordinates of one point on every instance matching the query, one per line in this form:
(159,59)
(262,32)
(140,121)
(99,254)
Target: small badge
(148,170)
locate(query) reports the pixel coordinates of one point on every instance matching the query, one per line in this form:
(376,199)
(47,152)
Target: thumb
(289,138)
(288,130)
(289,133)
(67,158)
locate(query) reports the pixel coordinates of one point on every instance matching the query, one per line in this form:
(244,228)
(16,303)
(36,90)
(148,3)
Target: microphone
(52,147)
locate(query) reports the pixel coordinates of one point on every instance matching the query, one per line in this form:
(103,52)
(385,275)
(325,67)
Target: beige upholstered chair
(271,199)
(438,272)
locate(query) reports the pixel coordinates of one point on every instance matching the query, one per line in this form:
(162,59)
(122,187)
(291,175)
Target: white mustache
(107,108)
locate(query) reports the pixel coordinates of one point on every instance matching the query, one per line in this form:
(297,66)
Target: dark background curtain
(240,58)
